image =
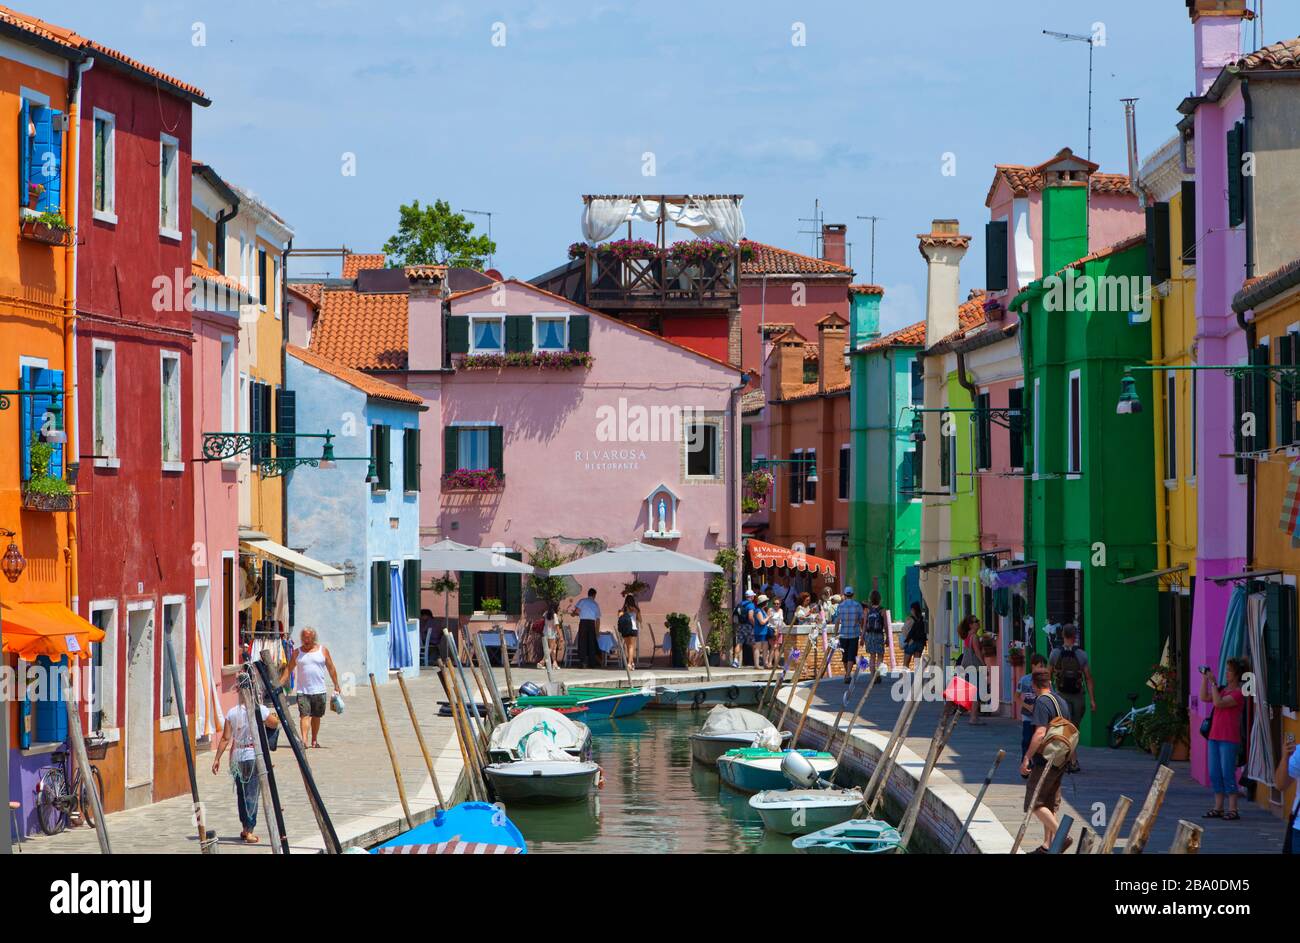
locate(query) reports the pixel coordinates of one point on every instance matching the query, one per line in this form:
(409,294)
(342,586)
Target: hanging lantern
(918,429)
(1128,397)
(13,563)
(327,456)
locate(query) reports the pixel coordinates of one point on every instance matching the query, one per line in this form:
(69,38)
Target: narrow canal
(655,799)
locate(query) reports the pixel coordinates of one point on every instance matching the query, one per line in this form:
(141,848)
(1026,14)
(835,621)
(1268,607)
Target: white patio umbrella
(637,557)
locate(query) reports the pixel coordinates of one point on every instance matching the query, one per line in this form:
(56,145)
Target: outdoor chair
(570,655)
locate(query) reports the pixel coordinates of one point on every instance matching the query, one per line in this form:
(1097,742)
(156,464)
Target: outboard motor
(530,689)
(796,768)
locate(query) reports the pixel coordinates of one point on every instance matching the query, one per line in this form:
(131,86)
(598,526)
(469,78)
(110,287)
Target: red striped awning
(452,847)
(763,555)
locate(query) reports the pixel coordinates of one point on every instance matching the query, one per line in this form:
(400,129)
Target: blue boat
(854,837)
(617,705)
(478,827)
(752,769)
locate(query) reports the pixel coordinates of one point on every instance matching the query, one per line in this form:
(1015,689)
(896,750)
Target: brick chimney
(787,363)
(832,342)
(942,248)
(1217,35)
(833,247)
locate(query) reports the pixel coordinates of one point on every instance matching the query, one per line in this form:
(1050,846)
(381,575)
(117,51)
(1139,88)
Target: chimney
(1065,209)
(833,235)
(787,354)
(1217,35)
(943,248)
(832,342)
(864,313)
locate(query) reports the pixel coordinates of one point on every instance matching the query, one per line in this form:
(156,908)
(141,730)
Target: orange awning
(763,554)
(46,628)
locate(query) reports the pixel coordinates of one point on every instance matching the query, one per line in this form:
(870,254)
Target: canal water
(655,799)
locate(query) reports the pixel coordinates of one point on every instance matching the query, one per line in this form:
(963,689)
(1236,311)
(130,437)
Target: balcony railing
(653,278)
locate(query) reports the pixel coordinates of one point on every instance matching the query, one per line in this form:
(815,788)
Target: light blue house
(360,516)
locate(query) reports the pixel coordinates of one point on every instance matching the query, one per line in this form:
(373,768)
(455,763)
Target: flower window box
(474,480)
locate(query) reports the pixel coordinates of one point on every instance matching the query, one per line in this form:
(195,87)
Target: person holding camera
(1224,735)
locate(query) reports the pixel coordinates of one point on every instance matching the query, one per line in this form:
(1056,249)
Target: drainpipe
(71,427)
(284,373)
(1249,326)
(733,494)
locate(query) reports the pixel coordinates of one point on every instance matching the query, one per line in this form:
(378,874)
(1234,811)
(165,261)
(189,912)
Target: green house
(1089,505)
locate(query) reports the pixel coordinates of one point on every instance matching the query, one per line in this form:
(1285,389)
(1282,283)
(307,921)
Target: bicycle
(57,799)
(1122,724)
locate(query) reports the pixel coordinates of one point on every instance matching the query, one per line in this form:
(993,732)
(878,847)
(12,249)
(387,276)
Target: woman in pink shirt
(1225,735)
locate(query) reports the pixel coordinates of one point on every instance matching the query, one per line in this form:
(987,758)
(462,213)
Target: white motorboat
(732,728)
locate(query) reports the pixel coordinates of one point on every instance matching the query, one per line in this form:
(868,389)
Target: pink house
(583,429)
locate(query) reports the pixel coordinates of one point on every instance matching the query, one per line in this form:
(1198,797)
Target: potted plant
(719,615)
(750,505)
(1168,723)
(34,191)
(679,630)
(492,607)
(1016,655)
(43,491)
(50,228)
(473,479)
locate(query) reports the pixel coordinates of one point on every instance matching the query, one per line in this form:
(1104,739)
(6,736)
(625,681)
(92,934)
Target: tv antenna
(1078,38)
(874,220)
(818,219)
(488,214)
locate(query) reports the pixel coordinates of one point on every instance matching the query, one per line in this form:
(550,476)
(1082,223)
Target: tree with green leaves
(434,235)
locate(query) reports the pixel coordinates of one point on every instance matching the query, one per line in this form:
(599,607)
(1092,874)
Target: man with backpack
(848,624)
(1070,669)
(743,633)
(1051,750)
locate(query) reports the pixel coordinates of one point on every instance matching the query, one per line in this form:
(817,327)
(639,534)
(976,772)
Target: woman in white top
(550,637)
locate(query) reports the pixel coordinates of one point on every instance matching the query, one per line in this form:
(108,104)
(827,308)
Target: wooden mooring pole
(392,753)
(937,743)
(1117,817)
(1137,839)
(419,736)
(979,797)
(1187,839)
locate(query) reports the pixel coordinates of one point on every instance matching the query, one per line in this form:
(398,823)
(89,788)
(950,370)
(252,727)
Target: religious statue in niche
(661,514)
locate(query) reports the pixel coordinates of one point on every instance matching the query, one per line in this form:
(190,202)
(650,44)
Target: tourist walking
(1050,749)
(241,737)
(588,613)
(1224,735)
(848,623)
(312,662)
(875,629)
(629,628)
(759,622)
(776,626)
(1287,773)
(1025,698)
(550,636)
(742,636)
(968,630)
(916,635)
(1072,675)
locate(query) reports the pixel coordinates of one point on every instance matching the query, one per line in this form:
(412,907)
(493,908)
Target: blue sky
(859,117)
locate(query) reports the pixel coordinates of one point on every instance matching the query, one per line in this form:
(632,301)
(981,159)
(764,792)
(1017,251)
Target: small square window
(487,335)
(703,441)
(550,334)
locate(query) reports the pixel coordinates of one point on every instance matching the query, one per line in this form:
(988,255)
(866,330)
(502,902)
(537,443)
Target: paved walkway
(1106,775)
(352,772)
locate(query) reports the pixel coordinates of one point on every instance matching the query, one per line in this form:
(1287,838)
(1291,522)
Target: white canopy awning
(635,557)
(299,563)
(449,555)
(718,217)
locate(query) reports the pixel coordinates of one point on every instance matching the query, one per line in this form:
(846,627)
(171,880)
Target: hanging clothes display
(1234,629)
(1260,763)
(1290,520)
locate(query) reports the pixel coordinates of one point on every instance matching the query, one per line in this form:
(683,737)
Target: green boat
(752,769)
(599,702)
(855,837)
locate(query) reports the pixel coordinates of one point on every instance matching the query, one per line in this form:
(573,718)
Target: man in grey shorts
(313,662)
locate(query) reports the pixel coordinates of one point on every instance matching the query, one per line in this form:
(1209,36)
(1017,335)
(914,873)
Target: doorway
(139,696)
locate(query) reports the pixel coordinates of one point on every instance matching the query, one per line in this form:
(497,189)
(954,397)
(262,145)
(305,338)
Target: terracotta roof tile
(366,331)
(864,289)
(970,313)
(354,263)
(770,260)
(1023,180)
(809,390)
(201,271)
(1102,253)
(752,401)
(309,291)
(832,320)
(426,273)
(776,328)
(371,386)
(1280,55)
(1264,288)
(72,40)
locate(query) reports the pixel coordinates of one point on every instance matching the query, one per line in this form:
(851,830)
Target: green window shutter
(1238,411)
(261,277)
(457,335)
(1189,221)
(411,459)
(1280,645)
(519,333)
(580,332)
(449,449)
(377,581)
(411,586)
(1016,426)
(385,458)
(746,447)
(1295,359)
(496,448)
(995,255)
(467,592)
(1158,242)
(1285,398)
(1260,396)
(512,604)
(286,421)
(984,433)
(1236,182)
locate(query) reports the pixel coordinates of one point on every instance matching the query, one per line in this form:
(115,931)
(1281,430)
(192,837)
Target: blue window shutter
(25,421)
(52,198)
(41,145)
(53,379)
(24,173)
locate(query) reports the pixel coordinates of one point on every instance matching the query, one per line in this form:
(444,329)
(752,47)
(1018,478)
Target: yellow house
(1169,193)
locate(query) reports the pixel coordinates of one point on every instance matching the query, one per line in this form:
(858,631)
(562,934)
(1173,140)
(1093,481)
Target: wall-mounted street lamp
(54,434)
(1285,375)
(1003,416)
(769,463)
(218,446)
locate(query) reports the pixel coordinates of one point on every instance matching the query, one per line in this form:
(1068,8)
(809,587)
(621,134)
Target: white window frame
(109,213)
(109,419)
(486,430)
(1017,462)
(803,476)
(796,473)
(169,226)
(716,422)
(172,720)
(176,464)
(501,328)
(107,692)
(551,316)
(1036,406)
(1073,463)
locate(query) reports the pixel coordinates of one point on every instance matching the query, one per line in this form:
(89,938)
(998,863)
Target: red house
(133,438)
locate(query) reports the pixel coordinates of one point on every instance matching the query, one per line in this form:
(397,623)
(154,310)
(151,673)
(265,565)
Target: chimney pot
(944,227)
(833,242)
